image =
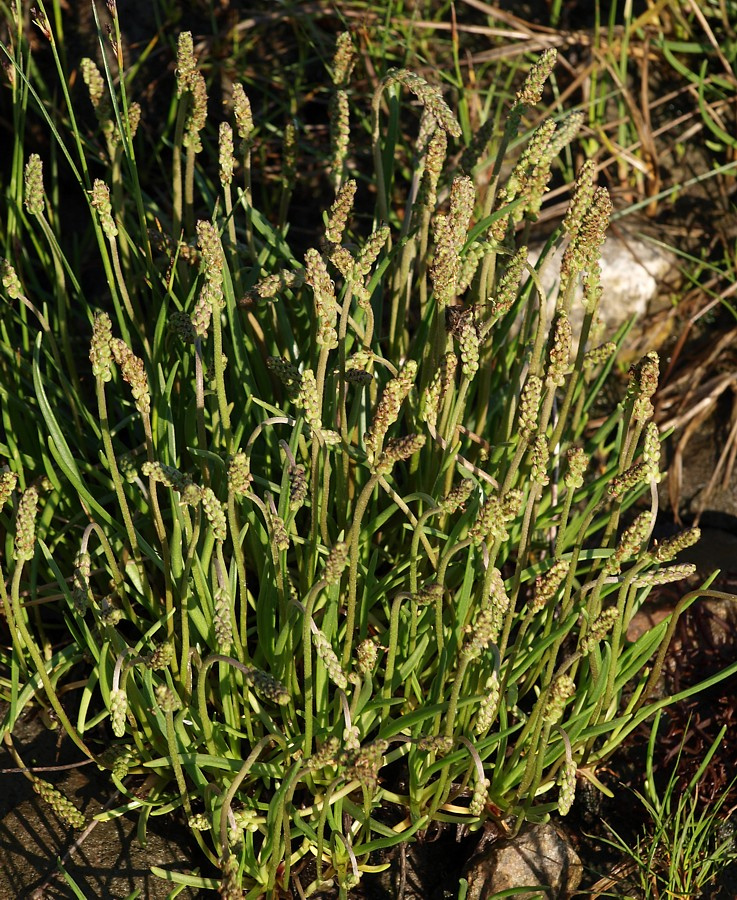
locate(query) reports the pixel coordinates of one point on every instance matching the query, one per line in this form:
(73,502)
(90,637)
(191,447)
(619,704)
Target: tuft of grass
(684,846)
(329,531)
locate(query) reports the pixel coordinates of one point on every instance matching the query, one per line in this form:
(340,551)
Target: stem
(307,665)
(355,533)
(118,486)
(392,651)
(40,665)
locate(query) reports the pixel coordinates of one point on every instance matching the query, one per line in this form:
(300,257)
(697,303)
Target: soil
(105,860)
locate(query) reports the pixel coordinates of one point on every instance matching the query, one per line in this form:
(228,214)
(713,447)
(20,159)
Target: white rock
(632,269)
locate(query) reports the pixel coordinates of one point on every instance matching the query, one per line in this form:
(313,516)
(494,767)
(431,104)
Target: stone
(537,856)
(633,271)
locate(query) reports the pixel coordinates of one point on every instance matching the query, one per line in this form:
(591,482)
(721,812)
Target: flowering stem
(353,542)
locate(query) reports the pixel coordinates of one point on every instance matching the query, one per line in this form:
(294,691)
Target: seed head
(134,373)
(197,115)
(398,449)
(529,178)
(489,522)
(225,158)
(289,155)
(562,688)
(469,347)
(599,355)
(243,115)
(599,629)
(546,586)
(277,529)
(325,756)
(529,407)
(365,767)
(166,699)
(297,486)
(643,384)
(434,160)
(509,283)
(230,888)
(366,654)
(489,705)
(215,514)
(560,351)
(436,743)
(239,473)
(480,794)
(209,296)
(428,593)
(330,659)
(223,624)
(339,212)
(583,252)
(25,525)
(336,562)
(457,496)
(387,409)
(268,687)
(567,788)
(208,241)
(288,374)
(81,582)
(671,547)
(344,59)
(436,391)
(497,601)
(430,97)
(166,475)
(118,712)
(532,89)
(339,111)
(101,202)
(630,543)
(539,461)
(370,252)
(450,236)
(309,399)
(94,81)
(161,657)
(8,481)
(62,806)
(470,263)
(480,633)
(326,306)
(651,451)
(101,354)
(10,280)
(34,185)
(667,575)
(629,479)
(578,462)
(566,132)
(583,194)
(186,61)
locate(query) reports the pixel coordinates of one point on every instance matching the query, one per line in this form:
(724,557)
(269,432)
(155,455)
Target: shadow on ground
(108,863)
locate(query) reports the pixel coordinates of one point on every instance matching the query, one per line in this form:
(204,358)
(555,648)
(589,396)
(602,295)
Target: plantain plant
(331,534)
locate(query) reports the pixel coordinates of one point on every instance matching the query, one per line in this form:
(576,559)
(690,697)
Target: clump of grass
(311,522)
(684,847)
